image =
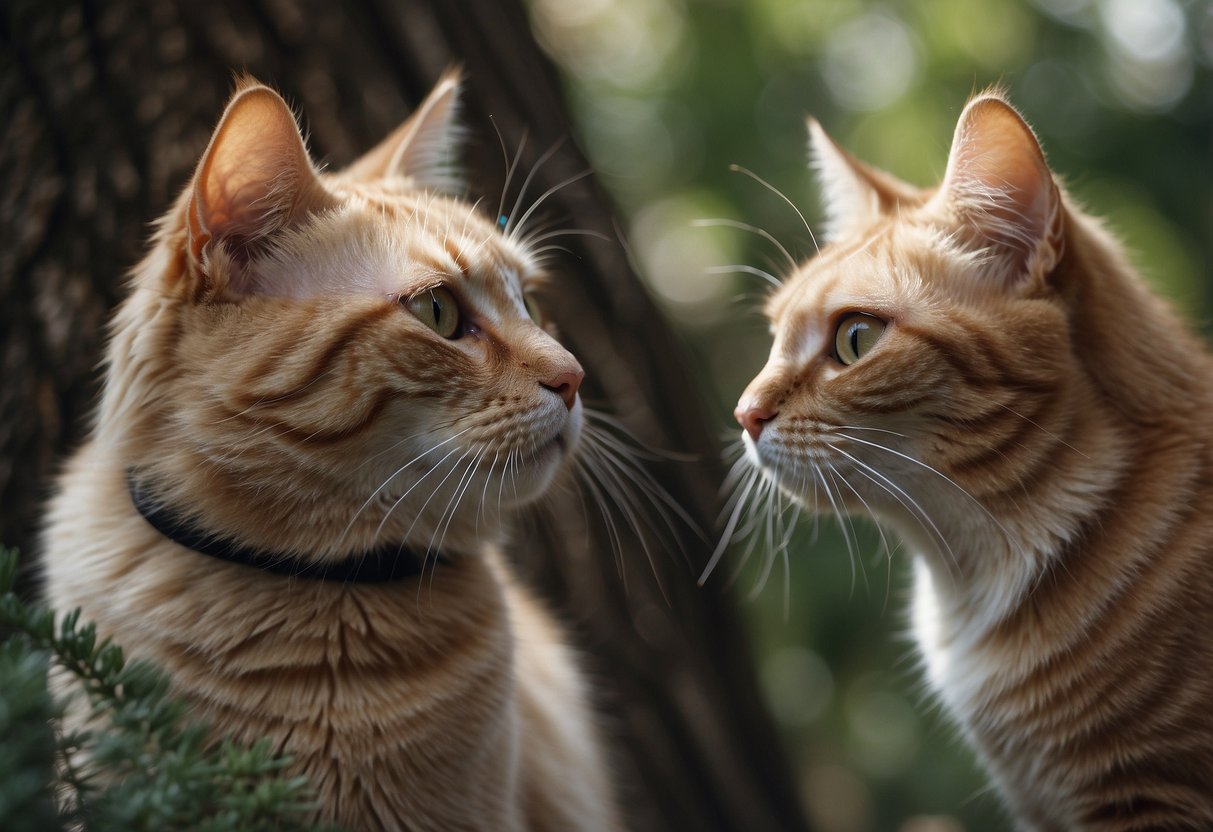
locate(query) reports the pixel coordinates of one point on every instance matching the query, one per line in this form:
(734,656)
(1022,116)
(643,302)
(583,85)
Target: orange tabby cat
(978,366)
(324,394)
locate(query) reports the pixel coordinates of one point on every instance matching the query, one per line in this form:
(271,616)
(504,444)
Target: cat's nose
(566,384)
(753,417)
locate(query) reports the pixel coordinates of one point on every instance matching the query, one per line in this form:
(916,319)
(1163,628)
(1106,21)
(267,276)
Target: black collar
(391,562)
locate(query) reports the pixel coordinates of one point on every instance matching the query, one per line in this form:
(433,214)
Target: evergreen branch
(140,765)
(26,741)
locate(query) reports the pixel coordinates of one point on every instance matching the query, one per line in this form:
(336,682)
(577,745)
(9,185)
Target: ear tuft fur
(853,194)
(425,148)
(999,187)
(254,179)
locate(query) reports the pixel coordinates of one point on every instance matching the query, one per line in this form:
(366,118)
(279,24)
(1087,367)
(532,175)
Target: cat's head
(360,338)
(922,367)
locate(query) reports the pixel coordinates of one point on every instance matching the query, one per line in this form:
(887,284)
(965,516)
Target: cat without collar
(318,383)
(978,367)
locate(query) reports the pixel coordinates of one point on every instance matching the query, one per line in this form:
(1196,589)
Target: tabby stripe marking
(342,339)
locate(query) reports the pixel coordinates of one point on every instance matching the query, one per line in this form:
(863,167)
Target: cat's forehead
(838,271)
(893,267)
(396,245)
(450,242)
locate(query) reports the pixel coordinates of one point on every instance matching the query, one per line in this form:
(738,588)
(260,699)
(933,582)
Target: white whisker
(839,514)
(391,477)
(753,229)
(614,487)
(610,469)
(901,496)
(781,195)
(744,269)
(937,473)
(875,430)
(1042,429)
(879,527)
(544,196)
(510,224)
(511,166)
(452,505)
(484,494)
(434,491)
(726,536)
(535,240)
(587,480)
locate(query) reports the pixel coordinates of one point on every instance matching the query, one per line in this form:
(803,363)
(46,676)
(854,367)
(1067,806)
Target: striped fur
(1035,424)
(264,378)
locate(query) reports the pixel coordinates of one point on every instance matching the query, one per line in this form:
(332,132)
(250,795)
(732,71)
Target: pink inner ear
(1000,186)
(237,210)
(254,177)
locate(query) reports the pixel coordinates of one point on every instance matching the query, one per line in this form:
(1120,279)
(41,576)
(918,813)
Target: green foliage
(27,745)
(140,764)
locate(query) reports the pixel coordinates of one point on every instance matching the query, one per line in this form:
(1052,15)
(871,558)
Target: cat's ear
(853,194)
(254,179)
(999,187)
(425,148)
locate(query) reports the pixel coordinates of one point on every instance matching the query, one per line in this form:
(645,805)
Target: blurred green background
(668,93)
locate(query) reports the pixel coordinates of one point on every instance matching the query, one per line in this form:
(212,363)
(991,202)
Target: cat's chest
(950,666)
(975,679)
(375,714)
(963,668)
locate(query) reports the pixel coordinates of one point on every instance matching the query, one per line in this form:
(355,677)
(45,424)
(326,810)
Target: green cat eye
(857,333)
(437,309)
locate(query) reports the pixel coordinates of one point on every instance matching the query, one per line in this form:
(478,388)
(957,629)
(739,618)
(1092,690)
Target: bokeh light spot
(870,61)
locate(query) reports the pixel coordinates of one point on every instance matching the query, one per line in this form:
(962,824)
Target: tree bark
(104,109)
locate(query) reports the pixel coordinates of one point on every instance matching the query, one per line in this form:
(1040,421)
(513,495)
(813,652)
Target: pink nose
(566,384)
(753,417)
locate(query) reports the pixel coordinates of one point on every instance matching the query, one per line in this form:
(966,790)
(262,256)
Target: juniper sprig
(141,764)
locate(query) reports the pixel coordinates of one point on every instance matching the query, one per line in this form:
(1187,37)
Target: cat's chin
(536,467)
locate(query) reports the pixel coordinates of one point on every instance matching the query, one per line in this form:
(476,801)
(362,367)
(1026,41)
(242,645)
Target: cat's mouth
(561,442)
(556,446)
(791,468)
(769,455)
(533,466)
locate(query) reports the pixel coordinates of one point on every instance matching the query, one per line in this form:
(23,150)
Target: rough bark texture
(104,108)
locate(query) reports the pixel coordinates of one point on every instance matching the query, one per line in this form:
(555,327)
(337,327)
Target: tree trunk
(104,108)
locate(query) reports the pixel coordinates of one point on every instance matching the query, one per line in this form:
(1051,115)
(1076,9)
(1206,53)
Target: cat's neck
(986,556)
(306,512)
(985,553)
(1138,353)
